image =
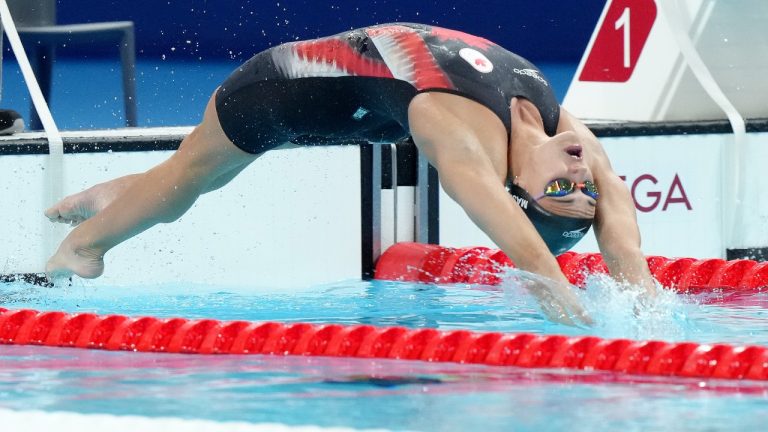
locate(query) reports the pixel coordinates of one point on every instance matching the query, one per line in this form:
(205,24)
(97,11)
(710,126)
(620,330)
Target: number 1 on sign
(605,62)
(623,21)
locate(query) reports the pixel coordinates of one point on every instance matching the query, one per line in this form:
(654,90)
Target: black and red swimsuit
(356,86)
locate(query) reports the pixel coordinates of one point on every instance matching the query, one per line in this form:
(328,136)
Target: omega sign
(650,195)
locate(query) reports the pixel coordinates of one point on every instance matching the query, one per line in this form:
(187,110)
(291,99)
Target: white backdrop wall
(291,209)
(292,219)
(675,181)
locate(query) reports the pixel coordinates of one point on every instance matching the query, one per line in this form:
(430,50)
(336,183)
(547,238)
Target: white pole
(733,175)
(54,184)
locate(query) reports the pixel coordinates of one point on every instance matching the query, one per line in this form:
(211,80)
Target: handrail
(733,159)
(54,170)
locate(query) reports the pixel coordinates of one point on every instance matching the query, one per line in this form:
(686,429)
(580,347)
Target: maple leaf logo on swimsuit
(476,59)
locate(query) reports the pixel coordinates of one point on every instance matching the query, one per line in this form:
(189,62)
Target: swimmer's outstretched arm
(618,234)
(452,142)
(616,226)
(161,194)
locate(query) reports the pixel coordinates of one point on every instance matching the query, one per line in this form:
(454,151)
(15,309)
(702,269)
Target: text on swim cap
(523,203)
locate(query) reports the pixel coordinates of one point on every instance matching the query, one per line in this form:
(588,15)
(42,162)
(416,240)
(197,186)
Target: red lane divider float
(415,262)
(206,336)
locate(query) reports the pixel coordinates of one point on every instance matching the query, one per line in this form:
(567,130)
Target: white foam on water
(619,310)
(34,421)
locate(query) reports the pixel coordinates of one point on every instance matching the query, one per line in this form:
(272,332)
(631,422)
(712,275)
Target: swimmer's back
(356,85)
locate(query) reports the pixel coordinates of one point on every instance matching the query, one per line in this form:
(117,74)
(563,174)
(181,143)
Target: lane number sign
(620,40)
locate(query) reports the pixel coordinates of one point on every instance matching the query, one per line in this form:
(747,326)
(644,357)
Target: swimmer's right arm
(468,176)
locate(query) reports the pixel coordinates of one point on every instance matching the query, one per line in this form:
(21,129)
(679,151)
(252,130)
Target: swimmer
(528,173)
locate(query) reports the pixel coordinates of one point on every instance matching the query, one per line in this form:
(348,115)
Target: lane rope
(207,336)
(416,262)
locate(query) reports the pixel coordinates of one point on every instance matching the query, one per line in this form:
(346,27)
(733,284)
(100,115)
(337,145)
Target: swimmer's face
(542,159)
(536,159)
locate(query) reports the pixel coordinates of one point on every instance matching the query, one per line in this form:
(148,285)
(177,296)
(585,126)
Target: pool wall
(302,208)
(288,209)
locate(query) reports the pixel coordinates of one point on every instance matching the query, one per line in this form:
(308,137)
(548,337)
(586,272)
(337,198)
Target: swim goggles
(560,233)
(562,187)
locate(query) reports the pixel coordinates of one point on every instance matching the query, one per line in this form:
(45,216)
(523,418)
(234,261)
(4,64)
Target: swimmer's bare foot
(76,208)
(70,260)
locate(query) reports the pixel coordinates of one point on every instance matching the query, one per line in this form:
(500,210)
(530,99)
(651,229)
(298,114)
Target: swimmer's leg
(81,206)
(78,207)
(225,178)
(159,195)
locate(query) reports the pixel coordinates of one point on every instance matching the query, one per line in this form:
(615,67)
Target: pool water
(365,393)
(715,317)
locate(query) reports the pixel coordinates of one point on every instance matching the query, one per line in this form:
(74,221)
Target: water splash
(619,310)
(622,310)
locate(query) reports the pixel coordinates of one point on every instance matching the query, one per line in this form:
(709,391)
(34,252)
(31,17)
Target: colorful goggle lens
(562,187)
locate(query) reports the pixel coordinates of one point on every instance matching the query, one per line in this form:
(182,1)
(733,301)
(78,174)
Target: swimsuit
(355,87)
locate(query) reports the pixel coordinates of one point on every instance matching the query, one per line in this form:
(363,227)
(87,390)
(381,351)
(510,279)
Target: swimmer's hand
(645,298)
(558,300)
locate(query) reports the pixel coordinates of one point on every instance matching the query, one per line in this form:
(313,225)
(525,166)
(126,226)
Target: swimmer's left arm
(618,234)
(615,225)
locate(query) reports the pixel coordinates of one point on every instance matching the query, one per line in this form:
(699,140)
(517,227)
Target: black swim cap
(560,233)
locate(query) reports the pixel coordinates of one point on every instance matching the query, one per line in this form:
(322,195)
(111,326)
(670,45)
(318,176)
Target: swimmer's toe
(71,210)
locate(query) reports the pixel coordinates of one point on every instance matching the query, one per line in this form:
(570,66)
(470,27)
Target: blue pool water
(385,393)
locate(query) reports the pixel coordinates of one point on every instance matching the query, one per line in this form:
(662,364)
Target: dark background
(186,48)
(543,30)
